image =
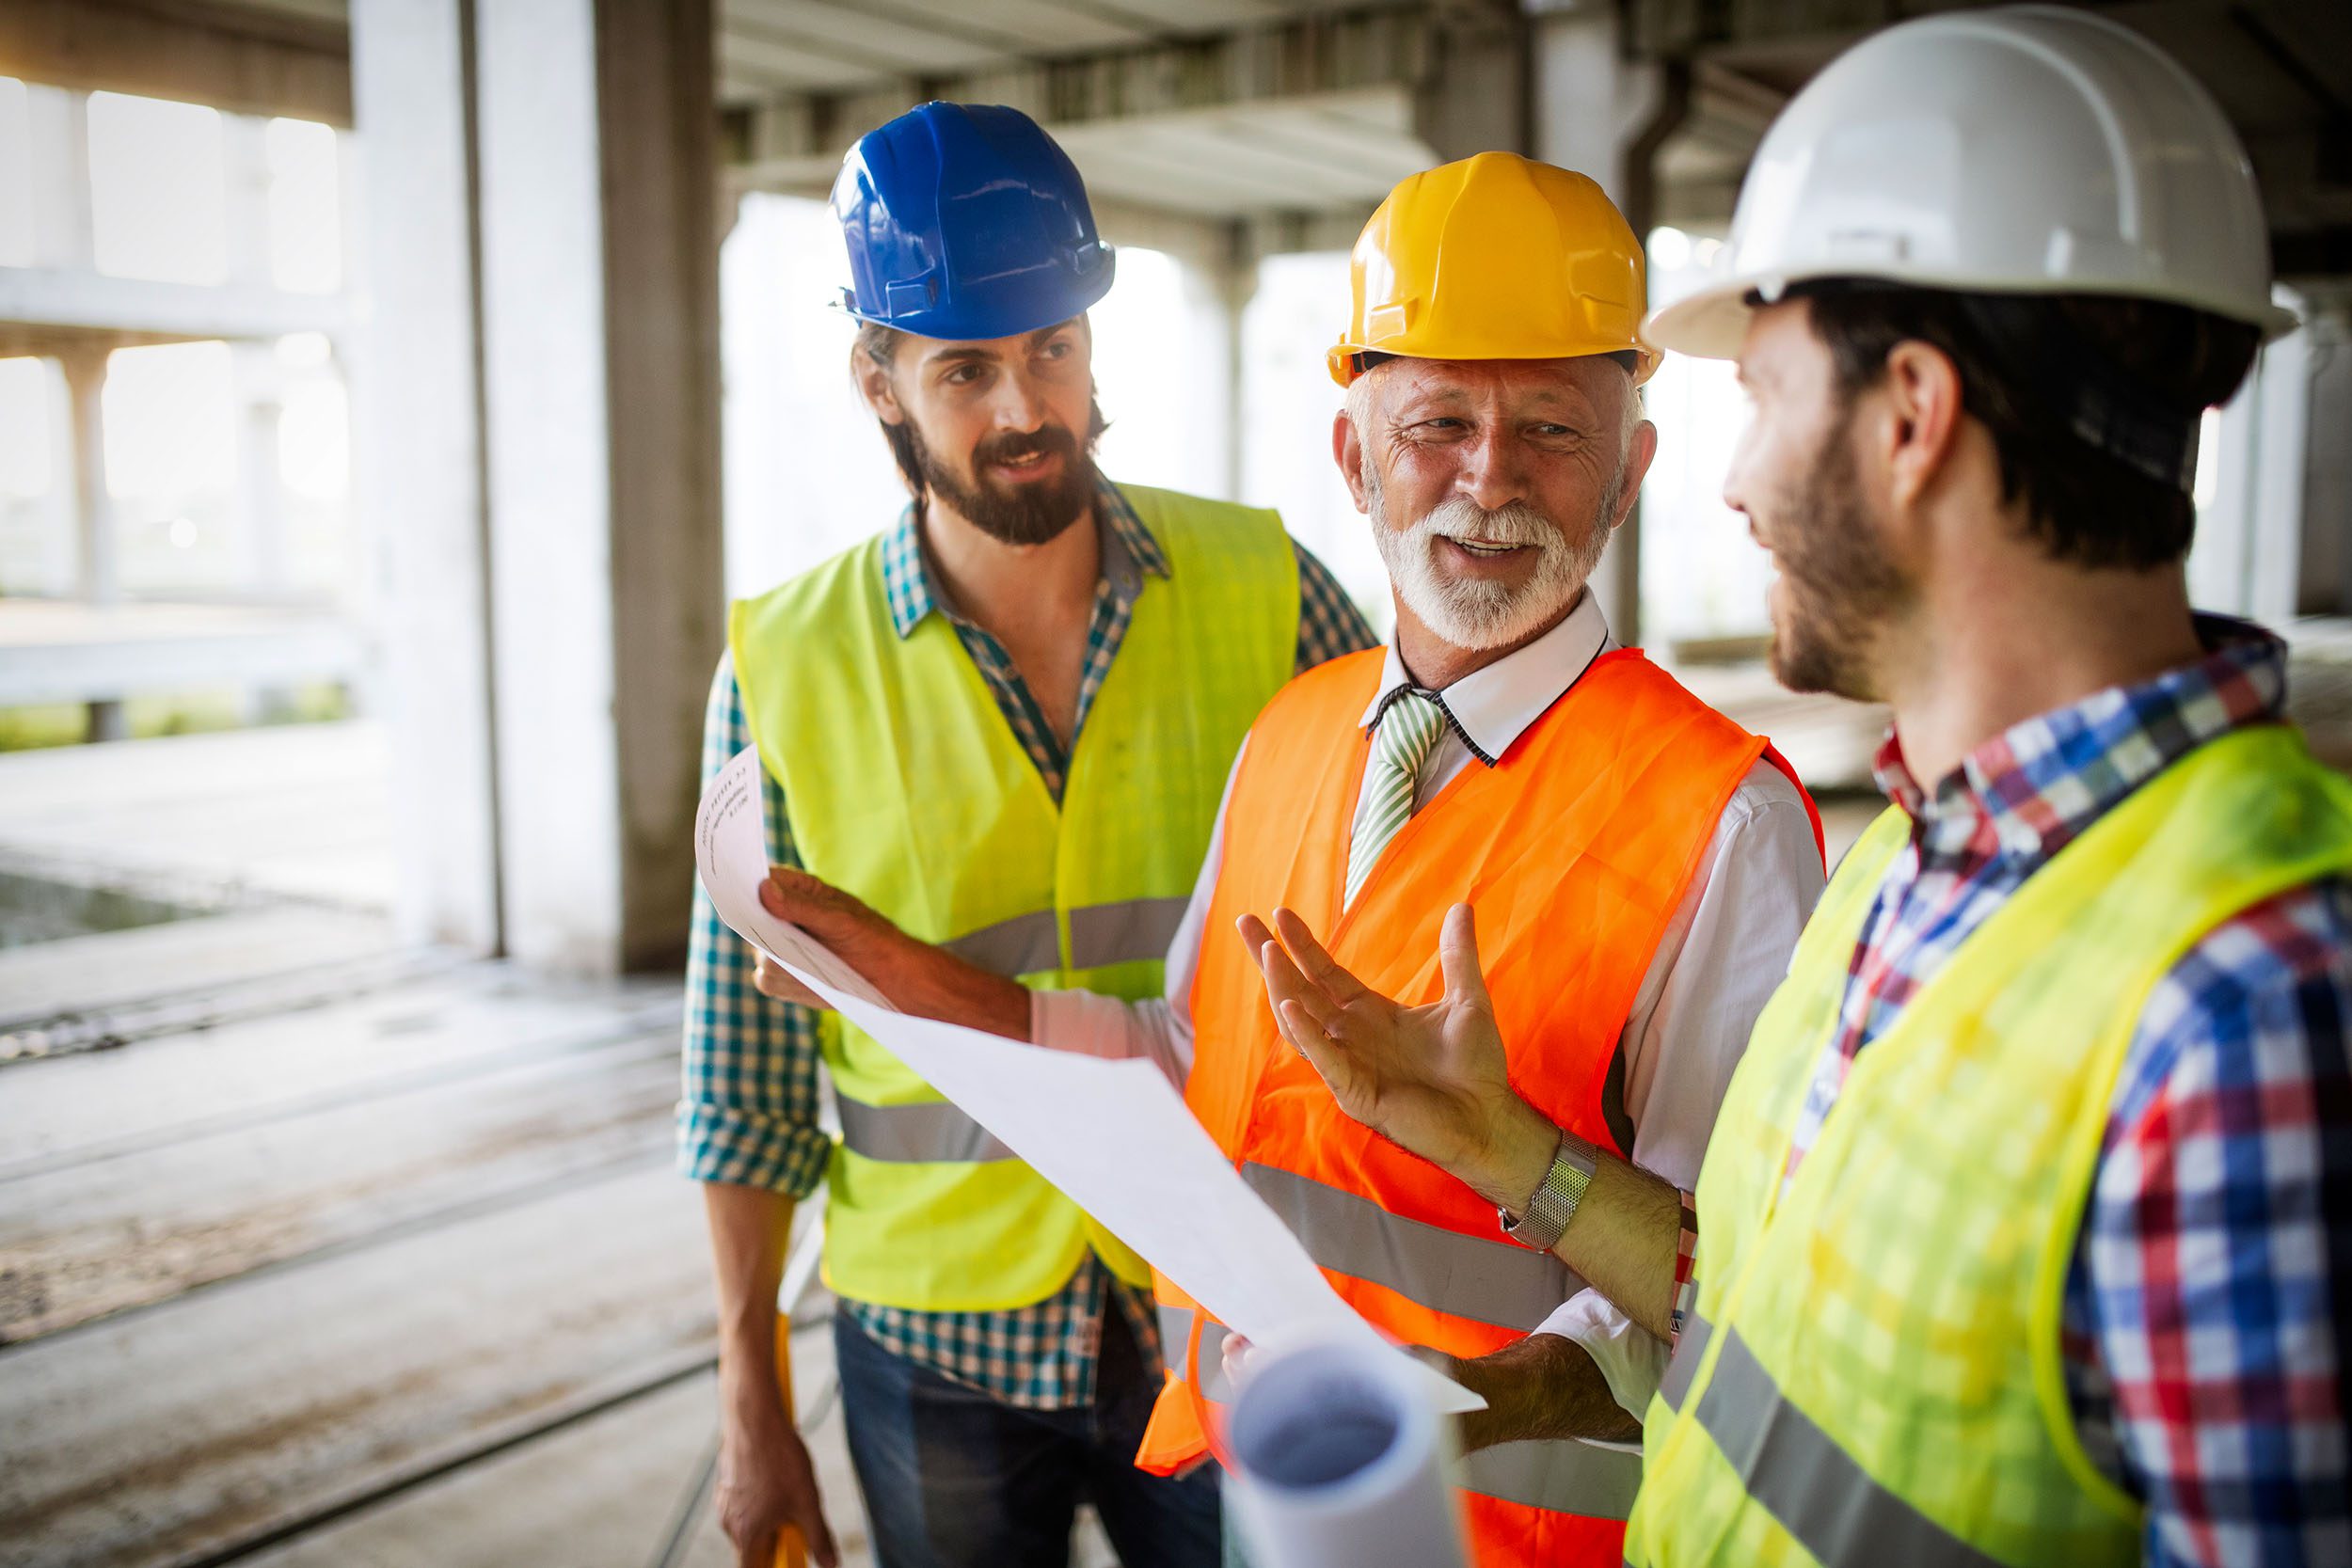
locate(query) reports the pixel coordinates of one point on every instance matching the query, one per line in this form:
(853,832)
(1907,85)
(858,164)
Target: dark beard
(1028,514)
(1837,586)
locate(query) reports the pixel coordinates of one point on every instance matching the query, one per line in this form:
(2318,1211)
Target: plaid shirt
(749,1111)
(2200,1317)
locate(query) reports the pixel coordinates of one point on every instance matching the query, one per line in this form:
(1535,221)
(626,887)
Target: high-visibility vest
(1873,1373)
(1575,849)
(905,785)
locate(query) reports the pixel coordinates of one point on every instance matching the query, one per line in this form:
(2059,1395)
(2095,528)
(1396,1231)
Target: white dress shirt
(1718,960)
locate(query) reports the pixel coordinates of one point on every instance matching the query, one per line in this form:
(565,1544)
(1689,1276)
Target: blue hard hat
(966,221)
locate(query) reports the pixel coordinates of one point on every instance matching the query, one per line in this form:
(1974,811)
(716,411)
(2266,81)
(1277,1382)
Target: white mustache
(1511,526)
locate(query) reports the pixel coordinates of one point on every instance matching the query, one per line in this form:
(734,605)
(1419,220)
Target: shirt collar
(1491,707)
(2040,784)
(1129,551)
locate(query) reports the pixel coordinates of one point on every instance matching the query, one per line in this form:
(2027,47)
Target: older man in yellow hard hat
(1640,865)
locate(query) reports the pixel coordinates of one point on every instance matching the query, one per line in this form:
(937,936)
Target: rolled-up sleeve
(747,1109)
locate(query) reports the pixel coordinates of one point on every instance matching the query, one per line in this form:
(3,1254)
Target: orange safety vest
(1575,849)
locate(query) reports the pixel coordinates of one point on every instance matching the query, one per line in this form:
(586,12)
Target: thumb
(1457,954)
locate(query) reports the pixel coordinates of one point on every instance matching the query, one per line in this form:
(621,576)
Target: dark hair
(880,344)
(2023,360)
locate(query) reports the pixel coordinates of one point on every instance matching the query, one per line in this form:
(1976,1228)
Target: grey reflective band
(1025,944)
(1483,1278)
(1564,1477)
(928,1132)
(1118,933)
(1100,934)
(1684,1364)
(1176,1335)
(1797,1472)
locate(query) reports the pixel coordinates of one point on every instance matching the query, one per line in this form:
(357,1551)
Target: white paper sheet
(1113,1136)
(731,857)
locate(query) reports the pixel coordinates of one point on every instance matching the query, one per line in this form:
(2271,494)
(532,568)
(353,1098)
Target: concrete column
(599,311)
(537,393)
(60,167)
(98,570)
(417,458)
(2325,586)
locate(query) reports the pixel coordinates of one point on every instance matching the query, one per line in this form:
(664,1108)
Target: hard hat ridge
(1494,256)
(967,221)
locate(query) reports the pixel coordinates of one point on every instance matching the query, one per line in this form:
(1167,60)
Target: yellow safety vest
(905,785)
(1872,1375)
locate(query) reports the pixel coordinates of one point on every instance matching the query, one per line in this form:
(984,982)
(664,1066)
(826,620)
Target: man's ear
(873,385)
(1639,453)
(1923,410)
(1347,450)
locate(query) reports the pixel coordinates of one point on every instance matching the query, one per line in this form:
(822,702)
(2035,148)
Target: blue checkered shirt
(749,1111)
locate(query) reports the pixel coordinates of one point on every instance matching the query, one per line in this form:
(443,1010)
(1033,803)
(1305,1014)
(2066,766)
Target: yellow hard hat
(1496,257)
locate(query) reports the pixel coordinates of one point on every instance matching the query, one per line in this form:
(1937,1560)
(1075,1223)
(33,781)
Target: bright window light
(16,174)
(305,207)
(158,189)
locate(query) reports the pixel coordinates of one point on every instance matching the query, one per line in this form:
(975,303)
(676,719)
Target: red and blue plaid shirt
(2214,1270)
(2204,1362)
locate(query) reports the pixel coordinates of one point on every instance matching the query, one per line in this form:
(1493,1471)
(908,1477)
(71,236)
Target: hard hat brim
(1712,322)
(1340,359)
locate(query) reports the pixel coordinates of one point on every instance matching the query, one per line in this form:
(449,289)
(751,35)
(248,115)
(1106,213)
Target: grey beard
(1482,615)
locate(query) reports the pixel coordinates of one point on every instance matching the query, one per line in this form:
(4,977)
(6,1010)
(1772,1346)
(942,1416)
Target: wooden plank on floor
(601,1492)
(170,1437)
(473,1019)
(79,975)
(82,1240)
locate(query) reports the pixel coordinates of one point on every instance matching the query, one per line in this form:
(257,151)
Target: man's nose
(1491,476)
(1019,403)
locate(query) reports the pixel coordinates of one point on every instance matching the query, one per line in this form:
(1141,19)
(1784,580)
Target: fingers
(1315,963)
(1457,954)
(1284,981)
(773,980)
(756,1549)
(1236,1359)
(1328,1056)
(818,1537)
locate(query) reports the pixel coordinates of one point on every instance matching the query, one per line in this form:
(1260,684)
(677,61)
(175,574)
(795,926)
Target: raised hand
(1433,1078)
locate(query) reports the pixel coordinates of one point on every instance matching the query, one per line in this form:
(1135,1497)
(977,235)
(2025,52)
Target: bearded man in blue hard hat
(1005,722)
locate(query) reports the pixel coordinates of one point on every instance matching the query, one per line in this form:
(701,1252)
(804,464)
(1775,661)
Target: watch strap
(1556,1196)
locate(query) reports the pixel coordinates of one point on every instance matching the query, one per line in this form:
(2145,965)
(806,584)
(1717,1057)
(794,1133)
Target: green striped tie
(1409,726)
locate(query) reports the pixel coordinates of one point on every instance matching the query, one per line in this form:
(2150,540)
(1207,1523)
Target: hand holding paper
(1113,1136)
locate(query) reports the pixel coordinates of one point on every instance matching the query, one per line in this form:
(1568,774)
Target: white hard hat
(2028,149)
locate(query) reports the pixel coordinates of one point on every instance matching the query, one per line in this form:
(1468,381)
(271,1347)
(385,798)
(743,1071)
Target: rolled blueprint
(1340,1461)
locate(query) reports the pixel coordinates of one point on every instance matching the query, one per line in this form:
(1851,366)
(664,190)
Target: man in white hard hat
(2025,1236)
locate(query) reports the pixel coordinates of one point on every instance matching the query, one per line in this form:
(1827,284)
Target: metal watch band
(1556,1196)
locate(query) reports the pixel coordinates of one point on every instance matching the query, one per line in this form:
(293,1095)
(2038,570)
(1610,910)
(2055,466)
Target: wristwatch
(1556,1196)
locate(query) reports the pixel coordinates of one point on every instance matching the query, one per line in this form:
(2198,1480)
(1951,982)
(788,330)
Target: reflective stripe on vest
(1684,1364)
(1565,1477)
(1129,931)
(1495,1282)
(906,1134)
(1810,1484)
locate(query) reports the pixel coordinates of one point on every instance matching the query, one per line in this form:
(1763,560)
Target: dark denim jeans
(954,1479)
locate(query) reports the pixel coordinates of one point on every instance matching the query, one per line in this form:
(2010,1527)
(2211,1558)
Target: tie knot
(1409,726)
